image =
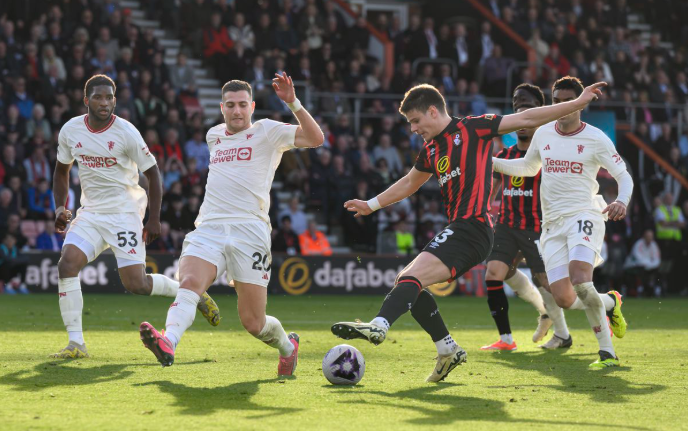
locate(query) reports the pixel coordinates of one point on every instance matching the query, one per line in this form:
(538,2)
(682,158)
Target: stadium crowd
(47,53)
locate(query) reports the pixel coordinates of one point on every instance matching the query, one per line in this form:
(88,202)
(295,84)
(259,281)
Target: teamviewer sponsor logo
(231,154)
(518,192)
(449,175)
(98,161)
(553,166)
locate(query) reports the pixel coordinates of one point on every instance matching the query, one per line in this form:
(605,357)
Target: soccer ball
(343,365)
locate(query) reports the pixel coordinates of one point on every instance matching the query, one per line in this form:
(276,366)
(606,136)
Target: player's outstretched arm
(60,193)
(152,228)
(527,166)
(400,190)
(536,117)
(308,135)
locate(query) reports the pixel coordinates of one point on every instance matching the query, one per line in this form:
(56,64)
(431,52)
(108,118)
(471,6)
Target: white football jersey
(242,167)
(109,162)
(569,164)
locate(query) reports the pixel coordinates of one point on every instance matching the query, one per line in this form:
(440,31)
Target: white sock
(381,322)
(445,346)
(577,304)
(273,335)
(71,305)
(181,315)
(607,301)
(594,310)
(164,286)
(555,313)
(525,290)
(507,338)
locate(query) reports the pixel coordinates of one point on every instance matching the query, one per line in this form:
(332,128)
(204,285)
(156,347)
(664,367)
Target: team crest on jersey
(457,139)
(248,136)
(78,145)
(617,158)
(580,149)
(111,145)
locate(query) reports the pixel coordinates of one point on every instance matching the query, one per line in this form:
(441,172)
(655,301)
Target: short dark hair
(286,218)
(237,85)
(97,80)
(534,90)
(568,83)
(421,98)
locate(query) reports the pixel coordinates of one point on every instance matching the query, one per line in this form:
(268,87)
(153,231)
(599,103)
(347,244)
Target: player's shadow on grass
(64,373)
(237,396)
(603,386)
(439,408)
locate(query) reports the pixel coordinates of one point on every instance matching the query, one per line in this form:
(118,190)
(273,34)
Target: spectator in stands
(432,214)
(18,204)
(49,240)
(6,207)
(297,217)
(286,39)
(14,228)
(37,121)
(171,145)
(216,44)
(386,151)
(313,242)
(12,266)
(111,46)
(669,226)
(495,70)
(644,261)
(406,244)
(285,239)
(182,75)
(174,172)
(165,242)
(241,32)
(40,201)
(52,60)
(37,166)
(197,149)
(10,164)
(600,64)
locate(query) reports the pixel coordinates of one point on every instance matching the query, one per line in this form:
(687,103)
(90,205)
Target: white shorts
(93,233)
(242,249)
(559,239)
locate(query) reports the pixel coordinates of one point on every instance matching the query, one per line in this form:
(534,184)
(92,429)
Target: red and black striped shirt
(461,159)
(520,197)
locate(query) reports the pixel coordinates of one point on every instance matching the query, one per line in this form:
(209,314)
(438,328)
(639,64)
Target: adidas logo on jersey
(586,238)
(546,148)
(78,145)
(265,276)
(132,251)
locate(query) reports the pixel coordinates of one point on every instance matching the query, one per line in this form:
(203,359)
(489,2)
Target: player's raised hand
(359,207)
(62,218)
(616,210)
(284,87)
(151,231)
(592,92)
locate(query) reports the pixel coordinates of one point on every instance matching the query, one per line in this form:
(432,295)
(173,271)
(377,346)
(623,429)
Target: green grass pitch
(225,379)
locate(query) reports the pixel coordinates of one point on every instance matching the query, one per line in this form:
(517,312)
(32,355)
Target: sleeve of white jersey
(281,135)
(609,159)
(527,166)
(210,139)
(138,150)
(64,152)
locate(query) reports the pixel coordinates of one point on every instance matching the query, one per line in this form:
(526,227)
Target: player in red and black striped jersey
(458,154)
(517,235)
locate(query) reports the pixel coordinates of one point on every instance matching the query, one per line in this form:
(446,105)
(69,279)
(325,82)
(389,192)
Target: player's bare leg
(196,276)
(408,294)
(136,281)
(71,301)
(251,302)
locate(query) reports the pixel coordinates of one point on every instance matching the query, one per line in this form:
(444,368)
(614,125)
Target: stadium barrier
(291,275)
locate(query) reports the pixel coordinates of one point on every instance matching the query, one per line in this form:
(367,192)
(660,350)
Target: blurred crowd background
(170,57)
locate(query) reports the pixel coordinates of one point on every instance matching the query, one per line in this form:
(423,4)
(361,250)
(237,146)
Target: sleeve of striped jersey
(486,126)
(64,153)
(138,150)
(422,162)
(528,166)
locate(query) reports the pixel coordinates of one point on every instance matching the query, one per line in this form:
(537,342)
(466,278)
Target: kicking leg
(251,302)
(196,276)
(71,300)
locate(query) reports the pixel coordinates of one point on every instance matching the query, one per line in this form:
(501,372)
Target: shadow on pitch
(64,373)
(602,386)
(437,407)
(203,401)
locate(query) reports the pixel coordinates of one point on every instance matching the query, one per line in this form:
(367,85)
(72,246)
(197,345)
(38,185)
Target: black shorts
(509,241)
(462,245)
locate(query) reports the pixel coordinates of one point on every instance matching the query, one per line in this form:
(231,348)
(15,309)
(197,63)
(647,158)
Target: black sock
(400,299)
(427,314)
(499,305)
